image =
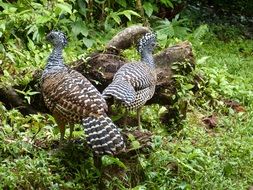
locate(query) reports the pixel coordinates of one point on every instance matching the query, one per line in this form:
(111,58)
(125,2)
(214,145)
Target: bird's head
(57,38)
(147,43)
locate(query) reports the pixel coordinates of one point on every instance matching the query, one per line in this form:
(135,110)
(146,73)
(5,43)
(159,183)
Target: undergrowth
(212,150)
(196,157)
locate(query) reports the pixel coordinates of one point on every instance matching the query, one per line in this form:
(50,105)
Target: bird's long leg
(61,126)
(139,117)
(71,129)
(125,114)
(62,132)
(97,160)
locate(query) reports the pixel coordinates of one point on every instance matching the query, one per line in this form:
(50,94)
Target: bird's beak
(48,36)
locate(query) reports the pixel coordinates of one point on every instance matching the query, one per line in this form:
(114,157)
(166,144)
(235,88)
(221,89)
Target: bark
(13,100)
(126,38)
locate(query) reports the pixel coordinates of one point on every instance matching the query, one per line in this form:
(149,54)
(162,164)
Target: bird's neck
(147,57)
(55,59)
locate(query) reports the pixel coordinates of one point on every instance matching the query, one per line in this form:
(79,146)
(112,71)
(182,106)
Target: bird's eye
(153,44)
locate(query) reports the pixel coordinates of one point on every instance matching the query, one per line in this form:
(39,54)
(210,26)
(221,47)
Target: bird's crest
(57,38)
(148,39)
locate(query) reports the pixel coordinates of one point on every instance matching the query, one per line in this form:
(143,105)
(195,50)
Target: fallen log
(100,67)
(13,100)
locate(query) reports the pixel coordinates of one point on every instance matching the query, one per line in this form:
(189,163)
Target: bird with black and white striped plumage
(73,99)
(134,83)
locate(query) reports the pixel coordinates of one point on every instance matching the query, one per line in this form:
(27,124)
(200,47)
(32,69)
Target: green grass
(200,158)
(234,56)
(232,61)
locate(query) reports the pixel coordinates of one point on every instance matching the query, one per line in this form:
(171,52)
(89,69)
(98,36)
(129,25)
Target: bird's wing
(70,92)
(142,96)
(138,74)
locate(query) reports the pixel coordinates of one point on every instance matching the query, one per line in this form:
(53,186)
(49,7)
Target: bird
(134,83)
(73,99)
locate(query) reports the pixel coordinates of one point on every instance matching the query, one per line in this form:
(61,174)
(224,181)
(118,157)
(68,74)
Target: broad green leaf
(167,3)
(122,3)
(189,86)
(37,5)
(162,110)
(116,18)
(35,34)
(139,187)
(3,26)
(42,19)
(32,28)
(128,14)
(5,5)
(202,60)
(88,42)
(109,160)
(2,49)
(80,27)
(82,7)
(10,10)
(10,56)
(31,44)
(6,73)
(136,144)
(148,8)
(131,137)
(65,7)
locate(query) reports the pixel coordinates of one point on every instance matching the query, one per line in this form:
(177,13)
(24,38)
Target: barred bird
(134,83)
(73,99)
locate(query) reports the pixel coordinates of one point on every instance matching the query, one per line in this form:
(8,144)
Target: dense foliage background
(214,147)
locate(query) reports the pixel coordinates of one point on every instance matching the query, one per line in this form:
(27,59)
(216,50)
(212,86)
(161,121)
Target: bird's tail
(121,90)
(102,135)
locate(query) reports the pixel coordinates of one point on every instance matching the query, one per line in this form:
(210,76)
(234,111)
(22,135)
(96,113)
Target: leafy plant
(176,28)
(115,16)
(27,94)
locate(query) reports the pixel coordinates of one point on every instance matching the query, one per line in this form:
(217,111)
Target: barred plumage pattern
(142,96)
(121,90)
(102,134)
(73,99)
(134,83)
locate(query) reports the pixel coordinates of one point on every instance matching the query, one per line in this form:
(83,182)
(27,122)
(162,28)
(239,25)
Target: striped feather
(138,74)
(121,90)
(102,135)
(142,96)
